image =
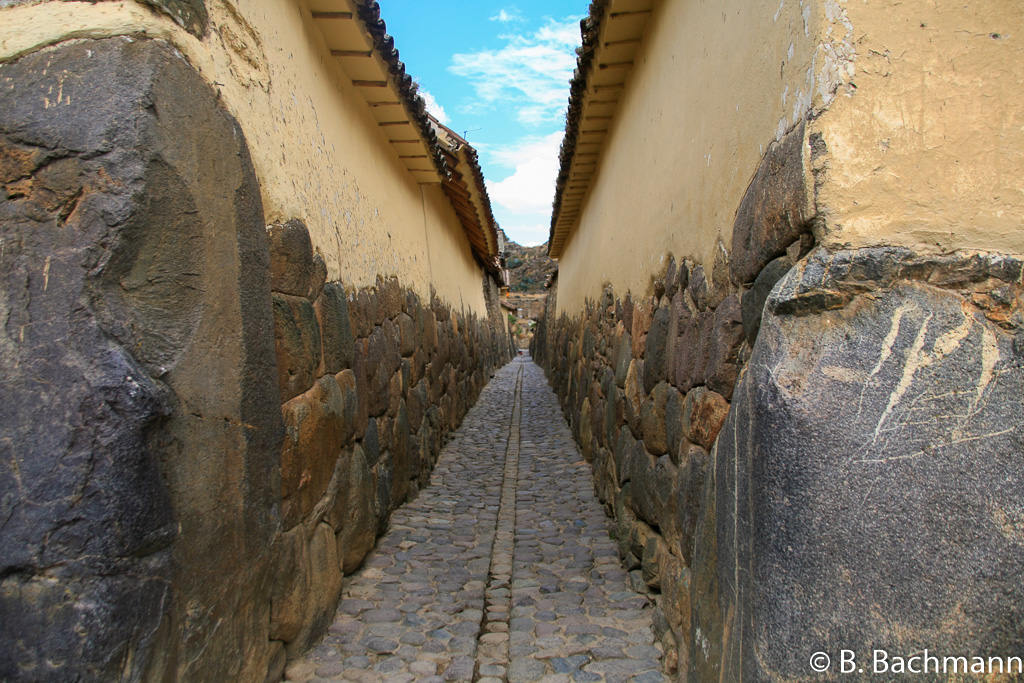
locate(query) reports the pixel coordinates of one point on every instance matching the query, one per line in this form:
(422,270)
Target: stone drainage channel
(502,570)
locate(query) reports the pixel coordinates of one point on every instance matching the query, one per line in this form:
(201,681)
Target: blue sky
(498,72)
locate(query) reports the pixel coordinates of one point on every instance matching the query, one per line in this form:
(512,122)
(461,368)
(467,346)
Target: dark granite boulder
(139,375)
(868,477)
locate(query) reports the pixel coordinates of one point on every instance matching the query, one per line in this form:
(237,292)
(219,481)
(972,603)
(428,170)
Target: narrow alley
(502,569)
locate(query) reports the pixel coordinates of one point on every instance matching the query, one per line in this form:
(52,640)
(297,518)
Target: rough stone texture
(704,412)
(875,426)
(775,209)
(140,392)
(753,301)
(297,343)
(291,258)
(143,482)
(881,431)
(723,365)
(313,440)
(335,328)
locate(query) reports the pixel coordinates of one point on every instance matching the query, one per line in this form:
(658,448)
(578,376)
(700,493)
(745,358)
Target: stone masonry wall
(870,441)
(199,436)
(372,381)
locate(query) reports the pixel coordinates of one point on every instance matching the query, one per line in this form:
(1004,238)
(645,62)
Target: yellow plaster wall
(712,85)
(318,151)
(920,106)
(928,151)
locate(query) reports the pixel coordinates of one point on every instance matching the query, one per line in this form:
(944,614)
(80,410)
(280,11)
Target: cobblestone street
(502,569)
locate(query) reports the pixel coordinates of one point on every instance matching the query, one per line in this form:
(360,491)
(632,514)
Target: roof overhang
(612,33)
(361,47)
(468,195)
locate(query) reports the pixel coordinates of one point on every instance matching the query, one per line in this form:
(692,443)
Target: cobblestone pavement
(501,570)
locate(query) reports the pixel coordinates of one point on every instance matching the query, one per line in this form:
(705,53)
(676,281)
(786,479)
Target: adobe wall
(798,405)
(210,412)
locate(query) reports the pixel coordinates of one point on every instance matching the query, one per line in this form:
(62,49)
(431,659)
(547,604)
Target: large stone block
(868,477)
(703,414)
(726,336)
(325,581)
(356,522)
(693,350)
(335,328)
(315,429)
(297,342)
(776,208)
(753,301)
(291,258)
(138,365)
(660,339)
(652,418)
(291,587)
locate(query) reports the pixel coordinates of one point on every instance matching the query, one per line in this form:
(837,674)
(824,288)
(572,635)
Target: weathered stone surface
(657,349)
(137,298)
(318,279)
(726,336)
(325,582)
(335,328)
(650,563)
(698,288)
(291,258)
(704,412)
(357,523)
(883,436)
(635,397)
(392,296)
(674,428)
(693,464)
(135,269)
(401,456)
(191,14)
(721,284)
(775,209)
(692,350)
(407,333)
(624,447)
(642,478)
(642,314)
(675,592)
(315,427)
(297,342)
(623,358)
(753,300)
(384,476)
(652,417)
(291,587)
(353,418)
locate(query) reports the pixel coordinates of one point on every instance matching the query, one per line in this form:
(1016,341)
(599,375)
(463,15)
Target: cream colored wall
(929,151)
(713,84)
(920,105)
(317,149)
(453,270)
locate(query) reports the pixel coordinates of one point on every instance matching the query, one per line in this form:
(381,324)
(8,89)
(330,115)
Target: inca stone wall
(200,434)
(807,450)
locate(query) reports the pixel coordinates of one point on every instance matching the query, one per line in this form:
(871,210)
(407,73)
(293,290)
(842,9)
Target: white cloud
(530,74)
(435,109)
(506,16)
(531,186)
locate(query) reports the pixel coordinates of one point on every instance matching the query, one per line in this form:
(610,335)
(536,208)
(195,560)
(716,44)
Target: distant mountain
(528,267)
